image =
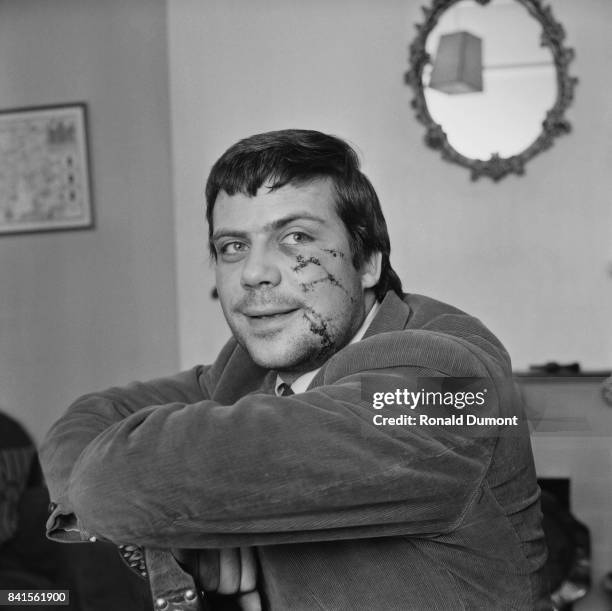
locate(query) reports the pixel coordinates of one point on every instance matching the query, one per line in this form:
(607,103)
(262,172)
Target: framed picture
(44,169)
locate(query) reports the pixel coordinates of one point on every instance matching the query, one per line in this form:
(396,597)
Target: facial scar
(302,262)
(319,327)
(308,286)
(334,253)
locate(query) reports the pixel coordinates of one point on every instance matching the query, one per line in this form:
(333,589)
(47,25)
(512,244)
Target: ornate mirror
(491,82)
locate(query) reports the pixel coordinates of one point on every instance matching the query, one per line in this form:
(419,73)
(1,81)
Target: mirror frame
(555,124)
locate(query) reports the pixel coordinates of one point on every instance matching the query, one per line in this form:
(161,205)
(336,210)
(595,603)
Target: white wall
(528,255)
(83,310)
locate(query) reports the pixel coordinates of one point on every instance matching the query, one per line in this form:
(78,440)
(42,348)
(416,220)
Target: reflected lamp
(457,67)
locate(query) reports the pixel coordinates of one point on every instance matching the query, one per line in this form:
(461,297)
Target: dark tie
(284,390)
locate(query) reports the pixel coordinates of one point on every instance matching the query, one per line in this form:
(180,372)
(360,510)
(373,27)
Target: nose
(260,268)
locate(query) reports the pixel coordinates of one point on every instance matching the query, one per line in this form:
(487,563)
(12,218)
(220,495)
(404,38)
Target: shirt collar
(302,383)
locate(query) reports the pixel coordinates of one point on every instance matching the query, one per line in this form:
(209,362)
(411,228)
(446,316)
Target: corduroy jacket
(345,514)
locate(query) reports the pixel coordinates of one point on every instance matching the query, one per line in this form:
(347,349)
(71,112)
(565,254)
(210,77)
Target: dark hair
(293,156)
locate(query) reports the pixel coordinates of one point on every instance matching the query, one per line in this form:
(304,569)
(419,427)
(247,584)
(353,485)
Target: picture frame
(45,180)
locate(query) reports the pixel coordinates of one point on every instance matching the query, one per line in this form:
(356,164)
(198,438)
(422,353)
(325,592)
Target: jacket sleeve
(89,417)
(189,472)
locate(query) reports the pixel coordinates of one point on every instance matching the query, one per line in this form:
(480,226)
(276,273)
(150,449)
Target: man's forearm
(174,470)
(268,469)
(92,414)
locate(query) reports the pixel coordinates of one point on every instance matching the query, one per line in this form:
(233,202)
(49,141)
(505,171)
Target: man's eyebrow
(272,226)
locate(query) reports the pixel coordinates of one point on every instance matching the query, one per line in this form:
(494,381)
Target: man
(268,474)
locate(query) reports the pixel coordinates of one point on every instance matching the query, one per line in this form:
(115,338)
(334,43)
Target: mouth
(269,321)
(269,314)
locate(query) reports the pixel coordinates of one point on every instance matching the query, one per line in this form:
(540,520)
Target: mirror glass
(519,80)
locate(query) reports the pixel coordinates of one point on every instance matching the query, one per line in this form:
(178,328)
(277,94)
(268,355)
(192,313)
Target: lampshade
(458,64)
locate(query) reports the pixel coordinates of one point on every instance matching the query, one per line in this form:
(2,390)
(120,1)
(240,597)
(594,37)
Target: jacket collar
(392,315)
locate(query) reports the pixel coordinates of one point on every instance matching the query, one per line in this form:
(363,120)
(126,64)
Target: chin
(280,357)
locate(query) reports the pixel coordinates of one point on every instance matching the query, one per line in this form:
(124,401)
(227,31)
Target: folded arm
(94,413)
(175,471)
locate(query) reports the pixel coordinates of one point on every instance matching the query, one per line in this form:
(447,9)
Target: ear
(370,270)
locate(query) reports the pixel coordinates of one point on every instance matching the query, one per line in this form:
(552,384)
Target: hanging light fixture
(457,67)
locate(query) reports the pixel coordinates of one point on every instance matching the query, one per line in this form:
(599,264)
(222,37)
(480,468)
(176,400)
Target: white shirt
(302,383)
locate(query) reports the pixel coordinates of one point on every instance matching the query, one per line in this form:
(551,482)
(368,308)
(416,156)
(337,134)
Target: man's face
(285,277)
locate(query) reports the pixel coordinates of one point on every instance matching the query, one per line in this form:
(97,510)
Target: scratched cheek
(312,270)
(319,326)
(303,262)
(316,257)
(326,280)
(334,253)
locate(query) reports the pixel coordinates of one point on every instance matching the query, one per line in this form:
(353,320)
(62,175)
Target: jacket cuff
(63,526)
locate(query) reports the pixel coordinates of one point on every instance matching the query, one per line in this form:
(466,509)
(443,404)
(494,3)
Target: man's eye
(296,237)
(233,248)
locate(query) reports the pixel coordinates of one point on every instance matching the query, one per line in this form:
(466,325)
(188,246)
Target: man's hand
(228,571)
